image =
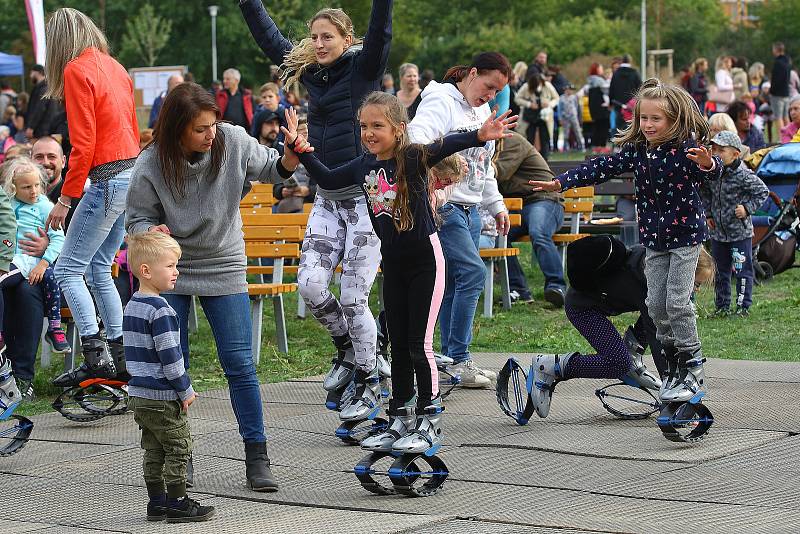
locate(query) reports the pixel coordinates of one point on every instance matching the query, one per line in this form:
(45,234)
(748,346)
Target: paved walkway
(580,470)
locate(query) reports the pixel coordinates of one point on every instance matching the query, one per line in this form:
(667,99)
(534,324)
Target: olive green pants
(167,444)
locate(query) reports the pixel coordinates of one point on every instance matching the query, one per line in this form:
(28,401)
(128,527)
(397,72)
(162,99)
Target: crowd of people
(374,156)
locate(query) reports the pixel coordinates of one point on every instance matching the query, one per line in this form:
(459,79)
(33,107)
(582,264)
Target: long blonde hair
(706,268)
(18,167)
(686,121)
(299,58)
(69,32)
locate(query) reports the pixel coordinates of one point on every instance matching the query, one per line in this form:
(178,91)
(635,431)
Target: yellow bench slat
(579,206)
(255,249)
(513,204)
(266,218)
(579,192)
(269,269)
(272,233)
(270,289)
(498,252)
(568,238)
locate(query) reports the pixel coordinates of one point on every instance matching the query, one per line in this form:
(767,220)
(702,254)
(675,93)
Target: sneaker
(189,511)
(742,312)
(471,376)
(26,389)
(517,297)
(58,341)
(156,512)
(555,296)
(720,313)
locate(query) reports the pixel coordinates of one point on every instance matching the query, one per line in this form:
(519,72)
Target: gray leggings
(341,231)
(670,282)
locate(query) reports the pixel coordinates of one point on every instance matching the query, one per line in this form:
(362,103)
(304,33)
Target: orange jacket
(101,115)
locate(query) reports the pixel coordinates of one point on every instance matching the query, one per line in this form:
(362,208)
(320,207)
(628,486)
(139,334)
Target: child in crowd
(729,201)
(669,163)
(442,179)
(25,182)
(159,388)
(270,102)
(570,111)
(488,237)
(9,393)
(394,177)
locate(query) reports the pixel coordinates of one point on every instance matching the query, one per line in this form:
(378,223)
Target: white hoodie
(444,110)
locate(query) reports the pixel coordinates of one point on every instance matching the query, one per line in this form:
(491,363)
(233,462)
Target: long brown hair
(299,58)
(686,121)
(483,62)
(181,106)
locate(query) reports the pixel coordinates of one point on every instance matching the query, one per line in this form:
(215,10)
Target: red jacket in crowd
(247,102)
(98,96)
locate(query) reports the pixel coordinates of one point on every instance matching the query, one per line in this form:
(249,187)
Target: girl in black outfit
(606,279)
(394,178)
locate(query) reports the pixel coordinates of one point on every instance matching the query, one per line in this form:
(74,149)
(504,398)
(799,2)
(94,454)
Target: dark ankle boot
(117,350)
(98,364)
(259,475)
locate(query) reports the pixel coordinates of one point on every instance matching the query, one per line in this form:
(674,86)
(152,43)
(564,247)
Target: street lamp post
(213,10)
(643,65)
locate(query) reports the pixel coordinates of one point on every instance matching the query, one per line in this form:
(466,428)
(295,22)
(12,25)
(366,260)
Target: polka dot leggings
(612,359)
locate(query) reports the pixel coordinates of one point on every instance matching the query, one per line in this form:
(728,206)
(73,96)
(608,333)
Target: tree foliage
(433,33)
(145,36)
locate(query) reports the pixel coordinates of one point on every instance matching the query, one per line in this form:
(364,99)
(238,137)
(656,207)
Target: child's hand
(37,273)
(553,185)
(160,228)
(711,224)
(702,156)
(497,127)
(188,402)
(740,212)
(290,131)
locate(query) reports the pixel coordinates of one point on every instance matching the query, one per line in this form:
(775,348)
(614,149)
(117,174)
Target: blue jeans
(95,234)
(459,235)
(229,317)
(542,219)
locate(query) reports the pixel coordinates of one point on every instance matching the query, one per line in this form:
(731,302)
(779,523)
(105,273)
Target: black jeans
(22,326)
(600,132)
(413,287)
(544,137)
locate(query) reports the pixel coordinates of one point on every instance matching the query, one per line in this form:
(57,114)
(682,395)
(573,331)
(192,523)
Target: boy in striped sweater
(159,389)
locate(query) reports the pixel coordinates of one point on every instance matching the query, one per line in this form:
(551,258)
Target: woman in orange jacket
(98,95)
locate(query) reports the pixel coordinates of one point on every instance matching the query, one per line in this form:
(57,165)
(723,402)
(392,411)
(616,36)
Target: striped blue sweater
(153,350)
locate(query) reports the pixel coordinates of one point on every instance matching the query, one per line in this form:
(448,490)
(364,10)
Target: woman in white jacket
(537,100)
(723,79)
(459,104)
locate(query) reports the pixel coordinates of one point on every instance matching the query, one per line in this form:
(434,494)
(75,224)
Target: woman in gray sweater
(188,183)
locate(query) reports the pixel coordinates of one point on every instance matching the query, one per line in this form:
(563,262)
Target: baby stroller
(777,225)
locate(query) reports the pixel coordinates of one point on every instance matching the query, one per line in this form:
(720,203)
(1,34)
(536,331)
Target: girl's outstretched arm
(495,127)
(374,55)
(343,176)
(594,171)
(264,30)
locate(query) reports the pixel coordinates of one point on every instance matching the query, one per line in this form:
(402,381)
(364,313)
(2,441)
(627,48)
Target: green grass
(768,334)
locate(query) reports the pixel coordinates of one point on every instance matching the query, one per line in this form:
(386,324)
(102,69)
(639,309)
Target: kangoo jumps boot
(98,364)
(259,475)
(117,351)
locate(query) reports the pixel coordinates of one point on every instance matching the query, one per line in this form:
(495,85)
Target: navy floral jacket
(667,190)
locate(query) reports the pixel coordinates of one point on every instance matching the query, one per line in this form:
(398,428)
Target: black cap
(593,257)
(269,115)
(38,68)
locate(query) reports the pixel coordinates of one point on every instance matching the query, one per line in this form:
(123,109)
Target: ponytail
(483,62)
